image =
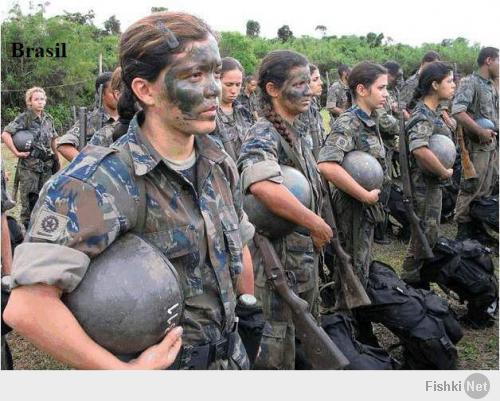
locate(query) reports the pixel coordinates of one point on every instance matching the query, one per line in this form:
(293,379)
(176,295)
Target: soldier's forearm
(7,139)
(69,152)
(245,283)
(468,123)
(336,174)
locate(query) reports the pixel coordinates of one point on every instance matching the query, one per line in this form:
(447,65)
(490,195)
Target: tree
(79,18)
(285,33)
(374,40)
(253,28)
(158,9)
(322,29)
(112,26)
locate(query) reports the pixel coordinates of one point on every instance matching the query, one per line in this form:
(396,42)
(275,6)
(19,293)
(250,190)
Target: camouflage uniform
(338,96)
(477,97)
(72,137)
(313,120)
(7,202)
(104,136)
(407,91)
(427,188)
(355,130)
(236,124)
(261,155)
(198,224)
(36,169)
(250,102)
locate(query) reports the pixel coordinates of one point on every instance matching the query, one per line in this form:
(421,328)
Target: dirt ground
(478,349)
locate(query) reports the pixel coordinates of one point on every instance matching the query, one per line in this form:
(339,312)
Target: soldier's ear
(272,90)
(143,90)
(362,90)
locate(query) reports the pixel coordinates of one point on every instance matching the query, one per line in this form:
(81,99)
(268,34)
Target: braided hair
(275,68)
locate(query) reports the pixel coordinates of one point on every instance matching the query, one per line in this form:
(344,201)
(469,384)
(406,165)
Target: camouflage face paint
(192,82)
(296,89)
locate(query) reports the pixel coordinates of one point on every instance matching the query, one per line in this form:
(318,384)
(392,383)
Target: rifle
(417,228)
(320,349)
(353,291)
(82,127)
(467,165)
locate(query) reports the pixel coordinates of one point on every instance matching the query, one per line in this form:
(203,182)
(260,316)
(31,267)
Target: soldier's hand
(449,173)
(487,135)
(372,196)
(321,233)
(22,155)
(161,355)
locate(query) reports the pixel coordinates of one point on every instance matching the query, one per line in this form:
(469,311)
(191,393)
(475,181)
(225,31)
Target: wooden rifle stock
(467,166)
(353,292)
(318,346)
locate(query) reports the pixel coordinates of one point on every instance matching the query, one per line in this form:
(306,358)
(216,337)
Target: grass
(477,350)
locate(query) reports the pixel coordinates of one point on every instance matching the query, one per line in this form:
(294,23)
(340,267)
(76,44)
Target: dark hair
(312,68)
(485,53)
(103,80)
(275,67)
(249,78)
(392,67)
(342,68)
(364,73)
(230,64)
(430,56)
(148,45)
(433,72)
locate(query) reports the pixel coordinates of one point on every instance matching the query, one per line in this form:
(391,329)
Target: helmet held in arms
(23,140)
(129,297)
(444,149)
(265,221)
(364,169)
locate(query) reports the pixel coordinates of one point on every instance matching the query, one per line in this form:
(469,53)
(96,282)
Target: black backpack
(465,267)
(398,211)
(485,209)
(423,322)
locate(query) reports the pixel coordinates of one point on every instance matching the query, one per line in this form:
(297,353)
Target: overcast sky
(411,22)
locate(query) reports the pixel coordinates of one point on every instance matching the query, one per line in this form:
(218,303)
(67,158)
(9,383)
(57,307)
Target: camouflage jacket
(198,226)
(236,125)
(104,136)
(388,122)
(7,202)
(313,119)
(478,97)
(72,137)
(43,134)
(338,96)
(260,158)
(250,102)
(423,124)
(353,130)
(408,90)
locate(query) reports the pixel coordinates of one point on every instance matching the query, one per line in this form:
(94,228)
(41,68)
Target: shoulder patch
(84,165)
(48,225)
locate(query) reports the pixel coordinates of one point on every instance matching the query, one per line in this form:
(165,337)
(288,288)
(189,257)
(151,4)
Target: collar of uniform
(487,81)
(298,126)
(32,115)
(146,158)
(422,107)
(367,120)
(344,85)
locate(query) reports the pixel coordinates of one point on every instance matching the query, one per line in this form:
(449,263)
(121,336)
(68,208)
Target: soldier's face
(316,83)
(192,86)
(231,86)
(493,68)
(252,86)
(295,96)
(376,94)
(446,88)
(109,97)
(38,101)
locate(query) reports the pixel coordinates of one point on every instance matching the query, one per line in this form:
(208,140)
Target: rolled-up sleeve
(419,135)
(70,138)
(464,96)
(258,160)
(54,264)
(338,143)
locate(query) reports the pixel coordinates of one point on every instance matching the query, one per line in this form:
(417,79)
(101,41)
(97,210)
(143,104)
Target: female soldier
(357,210)
(279,138)
(312,118)
(233,117)
(171,64)
(435,85)
(36,166)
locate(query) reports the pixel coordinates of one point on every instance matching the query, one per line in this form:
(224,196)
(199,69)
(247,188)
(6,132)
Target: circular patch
(50,224)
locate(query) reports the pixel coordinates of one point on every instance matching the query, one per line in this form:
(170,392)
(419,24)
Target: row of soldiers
(178,157)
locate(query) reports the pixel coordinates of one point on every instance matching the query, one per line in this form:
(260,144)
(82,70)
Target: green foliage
(158,9)
(253,28)
(240,47)
(112,26)
(285,33)
(62,115)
